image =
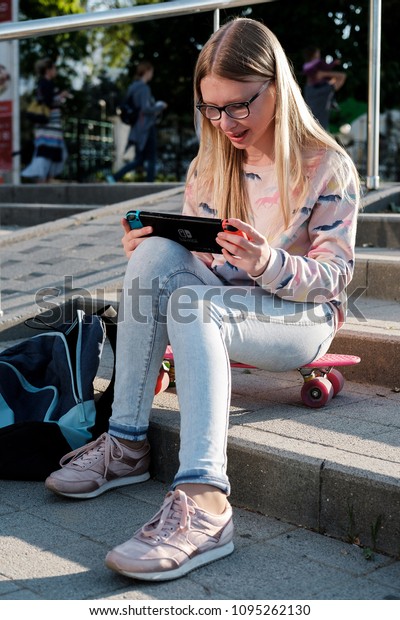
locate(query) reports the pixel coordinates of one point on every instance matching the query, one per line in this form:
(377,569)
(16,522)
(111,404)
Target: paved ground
(290,466)
(51,548)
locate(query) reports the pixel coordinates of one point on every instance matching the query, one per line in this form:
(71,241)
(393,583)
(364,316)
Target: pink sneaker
(179,538)
(99,466)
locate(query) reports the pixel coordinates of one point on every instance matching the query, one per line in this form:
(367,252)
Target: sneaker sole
(112,484)
(196,562)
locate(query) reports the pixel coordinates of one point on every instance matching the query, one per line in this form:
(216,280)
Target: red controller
(232,229)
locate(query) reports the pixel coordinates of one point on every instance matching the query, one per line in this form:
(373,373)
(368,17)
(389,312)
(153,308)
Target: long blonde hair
(245,50)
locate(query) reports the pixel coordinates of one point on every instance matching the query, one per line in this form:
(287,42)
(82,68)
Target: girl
(273,298)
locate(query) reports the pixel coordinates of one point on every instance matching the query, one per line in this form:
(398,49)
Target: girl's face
(254,134)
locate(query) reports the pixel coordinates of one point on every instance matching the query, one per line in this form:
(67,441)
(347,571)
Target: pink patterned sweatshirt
(313,259)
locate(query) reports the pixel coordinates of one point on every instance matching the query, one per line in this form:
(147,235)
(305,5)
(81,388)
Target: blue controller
(134,219)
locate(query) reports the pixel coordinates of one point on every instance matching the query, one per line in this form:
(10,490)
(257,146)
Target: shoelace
(174,514)
(105,444)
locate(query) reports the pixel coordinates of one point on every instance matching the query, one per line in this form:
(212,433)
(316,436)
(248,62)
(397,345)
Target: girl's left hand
(251,253)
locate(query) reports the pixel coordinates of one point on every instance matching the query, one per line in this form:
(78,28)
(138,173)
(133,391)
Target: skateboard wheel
(337,380)
(317,392)
(162,381)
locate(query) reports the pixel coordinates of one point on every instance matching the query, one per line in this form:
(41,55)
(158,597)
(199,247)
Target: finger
(233,259)
(142,232)
(225,241)
(136,232)
(234,251)
(125,224)
(232,239)
(251,232)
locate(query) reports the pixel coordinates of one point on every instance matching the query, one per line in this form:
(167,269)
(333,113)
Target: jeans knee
(157,257)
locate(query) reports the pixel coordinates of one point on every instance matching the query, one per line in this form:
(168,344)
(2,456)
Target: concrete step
(79,193)
(22,215)
(377,274)
(381,230)
(372,331)
(381,200)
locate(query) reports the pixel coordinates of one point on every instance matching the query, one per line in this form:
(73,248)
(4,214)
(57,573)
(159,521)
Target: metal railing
(84,21)
(90,149)
(375,20)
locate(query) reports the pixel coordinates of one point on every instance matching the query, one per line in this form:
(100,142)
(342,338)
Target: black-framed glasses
(238,110)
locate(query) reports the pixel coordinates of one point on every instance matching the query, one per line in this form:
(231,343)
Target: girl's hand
(251,254)
(132,238)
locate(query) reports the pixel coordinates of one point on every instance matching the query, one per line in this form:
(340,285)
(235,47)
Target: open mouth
(237,136)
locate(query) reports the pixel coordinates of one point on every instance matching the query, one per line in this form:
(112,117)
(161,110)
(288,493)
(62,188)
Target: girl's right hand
(132,238)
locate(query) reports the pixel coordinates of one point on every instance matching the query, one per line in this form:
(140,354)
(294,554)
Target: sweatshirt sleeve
(324,269)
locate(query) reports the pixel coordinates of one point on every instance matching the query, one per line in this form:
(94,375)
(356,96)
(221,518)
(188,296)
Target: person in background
(274,297)
(50,152)
(322,82)
(143,134)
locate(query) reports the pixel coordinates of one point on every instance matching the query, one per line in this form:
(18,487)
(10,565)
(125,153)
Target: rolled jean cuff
(200,476)
(121,431)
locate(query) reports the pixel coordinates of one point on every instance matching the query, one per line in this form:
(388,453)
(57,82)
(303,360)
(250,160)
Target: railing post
(79,173)
(372,180)
(216,20)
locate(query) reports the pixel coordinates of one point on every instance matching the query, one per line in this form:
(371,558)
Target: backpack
(129,112)
(47,401)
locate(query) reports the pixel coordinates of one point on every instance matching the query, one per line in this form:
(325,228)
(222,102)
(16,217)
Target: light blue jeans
(169,295)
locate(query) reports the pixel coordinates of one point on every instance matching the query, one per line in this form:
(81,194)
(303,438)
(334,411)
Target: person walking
(274,297)
(322,83)
(143,134)
(50,152)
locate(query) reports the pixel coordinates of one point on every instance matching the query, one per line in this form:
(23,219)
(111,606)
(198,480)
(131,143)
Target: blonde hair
(246,50)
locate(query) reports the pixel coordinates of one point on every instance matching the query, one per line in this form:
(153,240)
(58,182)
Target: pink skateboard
(322,381)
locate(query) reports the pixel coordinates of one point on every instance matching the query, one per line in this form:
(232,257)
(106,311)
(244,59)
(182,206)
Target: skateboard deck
(334,359)
(321,379)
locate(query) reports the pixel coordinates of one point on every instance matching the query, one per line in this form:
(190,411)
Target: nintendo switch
(194,233)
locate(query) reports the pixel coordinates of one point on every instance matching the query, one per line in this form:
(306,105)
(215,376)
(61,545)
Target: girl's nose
(227,123)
